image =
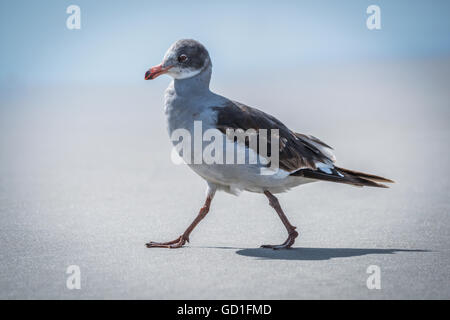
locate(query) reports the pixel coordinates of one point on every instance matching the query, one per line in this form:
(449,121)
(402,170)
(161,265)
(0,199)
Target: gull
(301,158)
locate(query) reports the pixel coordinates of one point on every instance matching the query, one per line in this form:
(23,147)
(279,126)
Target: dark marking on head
(197,55)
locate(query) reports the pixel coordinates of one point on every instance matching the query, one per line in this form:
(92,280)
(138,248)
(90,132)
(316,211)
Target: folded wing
(296,151)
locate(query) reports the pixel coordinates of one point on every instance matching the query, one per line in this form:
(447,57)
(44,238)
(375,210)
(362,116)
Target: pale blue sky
(120,39)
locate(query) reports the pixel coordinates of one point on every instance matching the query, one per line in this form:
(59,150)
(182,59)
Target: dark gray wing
(297,151)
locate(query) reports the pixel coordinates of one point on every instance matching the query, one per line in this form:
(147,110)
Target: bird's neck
(196,85)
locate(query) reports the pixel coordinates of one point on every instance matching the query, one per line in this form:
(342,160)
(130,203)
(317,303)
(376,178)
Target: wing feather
(297,151)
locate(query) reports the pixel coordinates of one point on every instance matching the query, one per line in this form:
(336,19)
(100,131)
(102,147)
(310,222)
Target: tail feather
(340,175)
(365,175)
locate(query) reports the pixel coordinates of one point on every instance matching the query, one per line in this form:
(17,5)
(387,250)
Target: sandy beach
(86,179)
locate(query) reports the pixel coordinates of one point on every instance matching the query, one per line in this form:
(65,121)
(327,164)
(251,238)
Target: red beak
(156,71)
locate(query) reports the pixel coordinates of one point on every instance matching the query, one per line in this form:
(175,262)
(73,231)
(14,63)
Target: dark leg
(292,234)
(181,240)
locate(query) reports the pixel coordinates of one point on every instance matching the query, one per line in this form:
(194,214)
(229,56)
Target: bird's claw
(285,245)
(174,244)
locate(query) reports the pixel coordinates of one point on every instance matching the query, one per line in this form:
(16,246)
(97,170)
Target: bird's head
(184,59)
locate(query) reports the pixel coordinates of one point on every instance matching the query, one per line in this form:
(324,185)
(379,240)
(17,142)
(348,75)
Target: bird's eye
(182,58)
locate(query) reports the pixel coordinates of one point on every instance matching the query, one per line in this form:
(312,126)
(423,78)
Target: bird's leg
(181,240)
(292,234)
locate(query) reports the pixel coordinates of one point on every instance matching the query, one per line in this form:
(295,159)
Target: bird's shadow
(314,253)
